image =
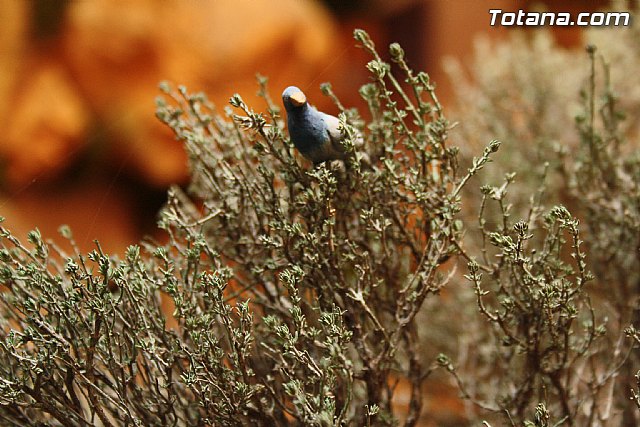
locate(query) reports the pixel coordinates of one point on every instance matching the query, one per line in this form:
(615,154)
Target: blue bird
(314,133)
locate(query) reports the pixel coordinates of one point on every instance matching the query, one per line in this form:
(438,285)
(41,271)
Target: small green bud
(65,231)
(325,88)
(164,86)
(236,100)
(378,68)
(396,51)
(360,35)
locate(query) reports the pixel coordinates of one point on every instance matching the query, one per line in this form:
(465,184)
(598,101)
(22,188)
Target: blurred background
(80,143)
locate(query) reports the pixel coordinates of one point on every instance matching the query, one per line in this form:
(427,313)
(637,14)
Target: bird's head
(292,97)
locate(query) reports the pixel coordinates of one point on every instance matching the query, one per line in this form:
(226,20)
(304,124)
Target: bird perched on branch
(314,133)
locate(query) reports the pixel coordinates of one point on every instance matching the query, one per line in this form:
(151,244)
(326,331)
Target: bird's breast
(307,134)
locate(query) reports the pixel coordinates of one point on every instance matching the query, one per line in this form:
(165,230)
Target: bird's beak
(298,99)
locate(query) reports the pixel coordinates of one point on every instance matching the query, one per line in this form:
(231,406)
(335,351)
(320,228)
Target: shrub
(300,291)
(528,93)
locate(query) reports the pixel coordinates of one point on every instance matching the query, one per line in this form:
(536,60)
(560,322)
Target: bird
(314,133)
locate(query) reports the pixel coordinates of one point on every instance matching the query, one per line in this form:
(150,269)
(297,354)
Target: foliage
(296,290)
(591,167)
(304,295)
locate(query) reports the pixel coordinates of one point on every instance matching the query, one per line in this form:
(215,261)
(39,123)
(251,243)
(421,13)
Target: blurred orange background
(80,142)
